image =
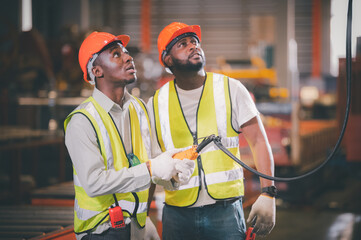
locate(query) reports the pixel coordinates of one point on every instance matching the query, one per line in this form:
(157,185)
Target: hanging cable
(217,140)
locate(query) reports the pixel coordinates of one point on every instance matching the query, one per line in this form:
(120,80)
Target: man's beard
(132,80)
(187,66)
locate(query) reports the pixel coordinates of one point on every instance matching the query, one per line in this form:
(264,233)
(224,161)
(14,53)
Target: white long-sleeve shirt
(81,142)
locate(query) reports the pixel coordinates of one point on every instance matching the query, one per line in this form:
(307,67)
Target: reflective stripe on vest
(223,177)
(212,178)
(84,214)
(143,122)
(108,147)
(90,211)
(163,102)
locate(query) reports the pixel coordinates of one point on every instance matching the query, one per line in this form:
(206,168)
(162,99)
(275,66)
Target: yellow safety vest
(223,177)
(89,212)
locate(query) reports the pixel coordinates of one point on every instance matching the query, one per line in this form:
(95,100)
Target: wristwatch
(271,191)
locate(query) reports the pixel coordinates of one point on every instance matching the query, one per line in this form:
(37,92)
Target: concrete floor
(302,224)
(326,206)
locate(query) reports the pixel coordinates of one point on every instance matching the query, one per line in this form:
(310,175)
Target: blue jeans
(217,221)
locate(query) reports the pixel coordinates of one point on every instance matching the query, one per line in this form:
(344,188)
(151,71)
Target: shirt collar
(106,103)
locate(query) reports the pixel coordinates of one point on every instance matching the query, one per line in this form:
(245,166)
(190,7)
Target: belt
(226,202)
(219,202)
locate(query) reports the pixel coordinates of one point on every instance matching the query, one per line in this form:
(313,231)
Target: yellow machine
(258,71)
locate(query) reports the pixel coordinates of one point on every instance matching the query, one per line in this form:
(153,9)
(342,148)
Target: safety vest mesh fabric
(223,177)
(92,211)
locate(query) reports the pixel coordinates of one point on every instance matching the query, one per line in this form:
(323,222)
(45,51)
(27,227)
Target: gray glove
(185,169)
(265,210)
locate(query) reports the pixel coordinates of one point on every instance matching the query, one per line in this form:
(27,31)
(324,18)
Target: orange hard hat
(94,43)
(169,36)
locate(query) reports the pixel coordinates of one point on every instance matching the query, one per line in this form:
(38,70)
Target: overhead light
(26,15)
(308,95)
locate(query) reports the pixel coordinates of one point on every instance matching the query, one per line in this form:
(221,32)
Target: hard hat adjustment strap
(89,67)
(175,40)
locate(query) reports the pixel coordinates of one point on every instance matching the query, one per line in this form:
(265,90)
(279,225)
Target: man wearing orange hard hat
(108,139)
(197,104)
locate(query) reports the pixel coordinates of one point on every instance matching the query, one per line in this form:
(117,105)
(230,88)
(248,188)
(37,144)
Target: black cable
(217,140)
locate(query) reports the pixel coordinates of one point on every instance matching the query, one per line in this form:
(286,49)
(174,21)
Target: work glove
(185,169)
(163,166)
(264,210)
(150,230)
(168,185)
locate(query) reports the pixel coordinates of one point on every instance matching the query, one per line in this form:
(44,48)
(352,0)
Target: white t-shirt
(243,110)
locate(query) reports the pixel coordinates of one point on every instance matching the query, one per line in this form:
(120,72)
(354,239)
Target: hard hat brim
(123,38)
(192,28)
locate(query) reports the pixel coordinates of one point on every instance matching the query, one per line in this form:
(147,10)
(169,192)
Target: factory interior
(290,55)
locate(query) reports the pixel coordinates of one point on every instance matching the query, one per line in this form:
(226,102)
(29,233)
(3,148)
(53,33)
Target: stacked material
(56,195)
(35,222)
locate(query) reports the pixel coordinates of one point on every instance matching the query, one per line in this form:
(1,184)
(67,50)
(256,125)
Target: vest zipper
(195,140)
(200,167)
